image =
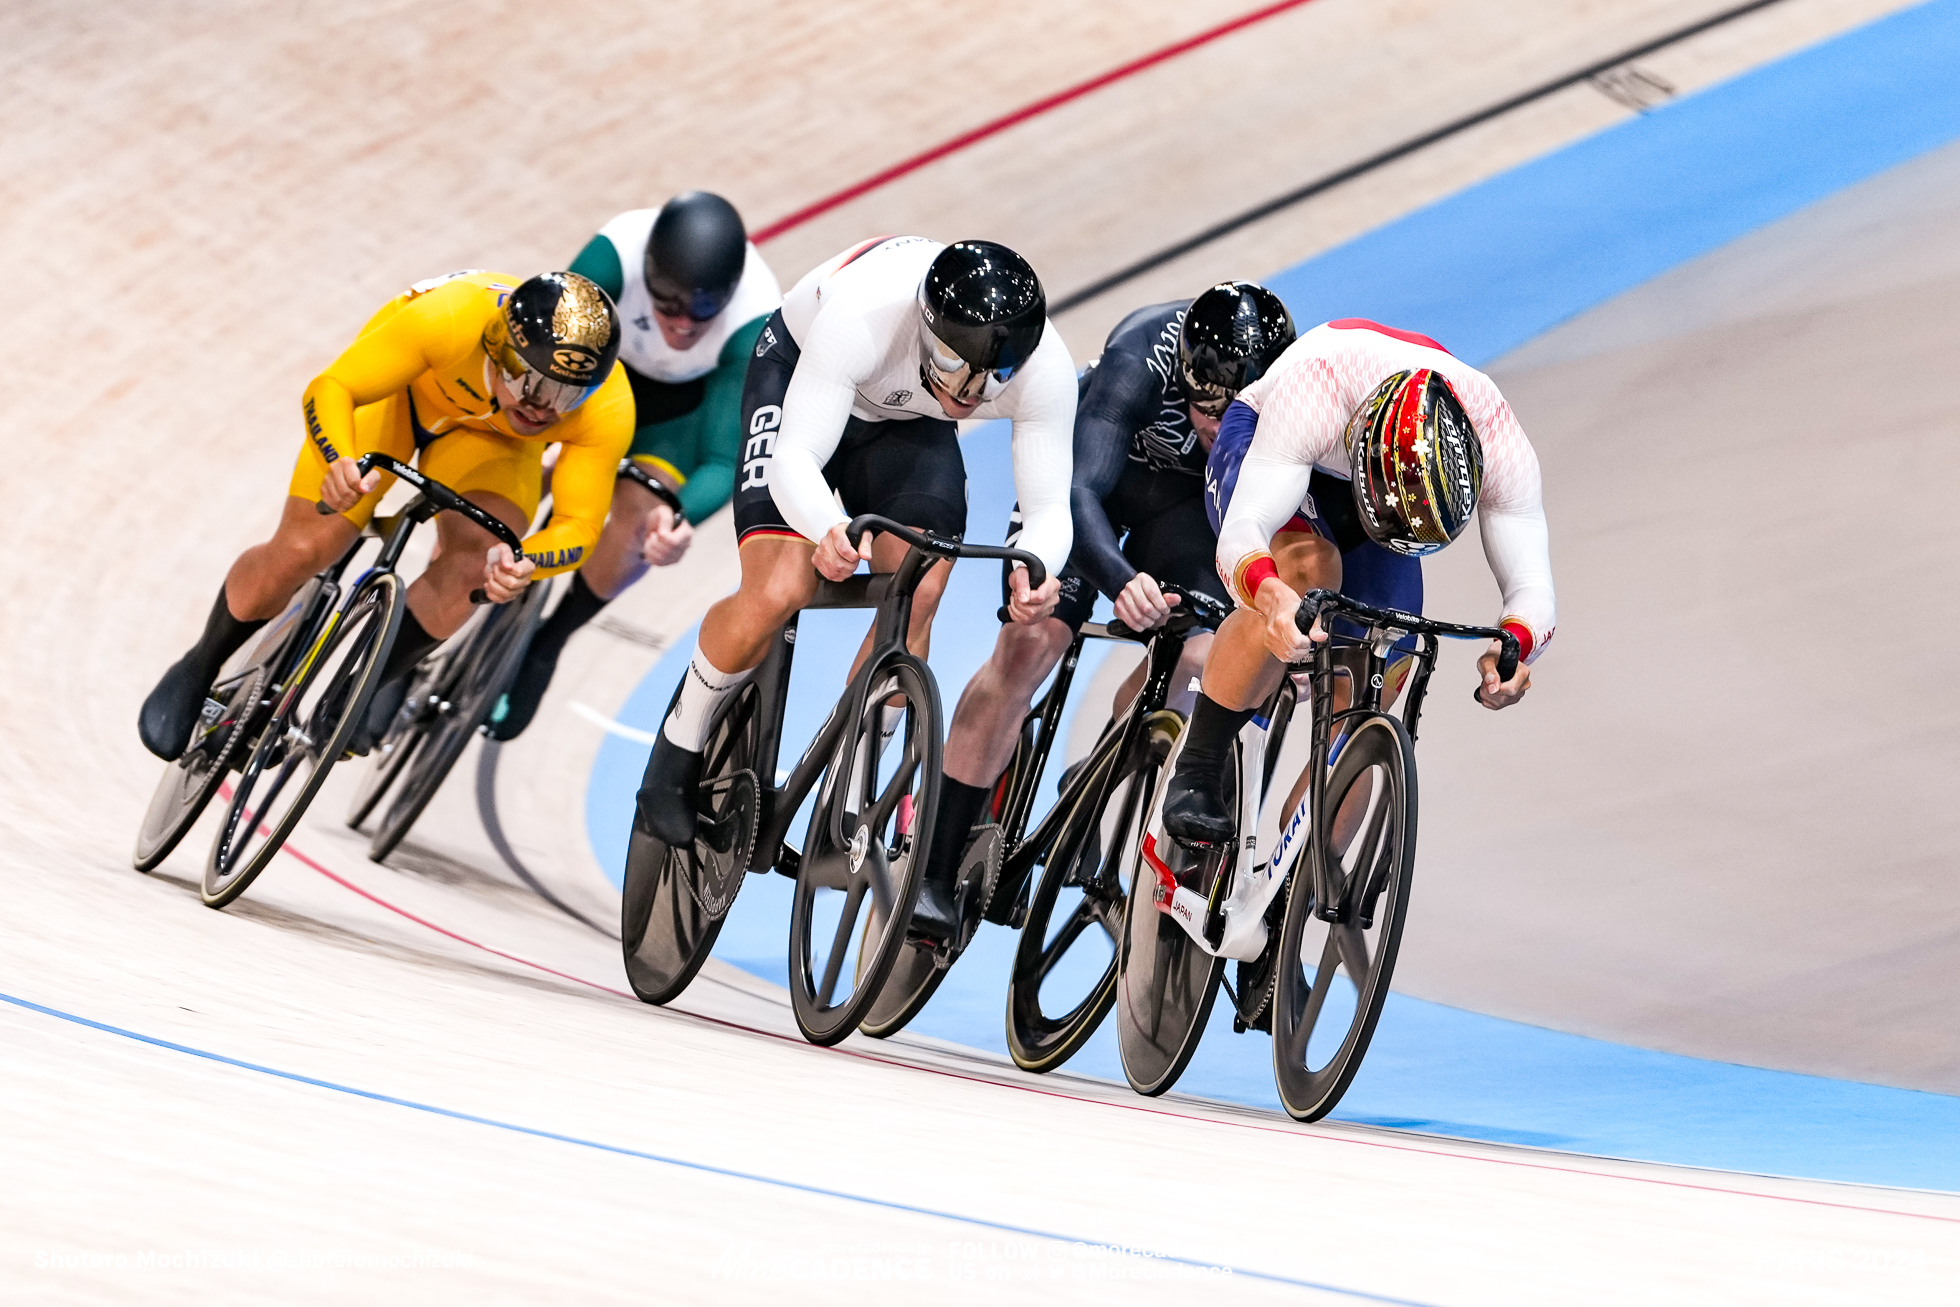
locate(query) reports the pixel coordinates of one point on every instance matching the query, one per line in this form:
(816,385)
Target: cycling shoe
(171,711)
(936,916)
(666,798)
(380,715)
(1195,806)
(520,703)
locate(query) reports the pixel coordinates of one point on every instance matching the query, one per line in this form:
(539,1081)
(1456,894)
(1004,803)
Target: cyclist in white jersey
(1431,439)
(852,401)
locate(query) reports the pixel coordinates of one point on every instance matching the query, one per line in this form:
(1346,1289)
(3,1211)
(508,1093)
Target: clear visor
(962,382)
(1212,405)
(530,388)
(696,306)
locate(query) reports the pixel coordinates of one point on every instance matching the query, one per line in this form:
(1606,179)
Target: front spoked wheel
(1165,984)
(1333,976)
(486,667)
(675,899)
(859,874)
(309,727)
(1064,977)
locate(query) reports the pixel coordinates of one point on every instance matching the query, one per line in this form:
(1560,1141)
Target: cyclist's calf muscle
(440,597)
(987,723)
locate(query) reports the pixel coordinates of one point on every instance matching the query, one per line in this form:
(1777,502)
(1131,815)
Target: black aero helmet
(555,339)
(695,254)
(1232,333)
(981,314)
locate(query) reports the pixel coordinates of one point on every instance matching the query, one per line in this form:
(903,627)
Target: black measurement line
(1131,272)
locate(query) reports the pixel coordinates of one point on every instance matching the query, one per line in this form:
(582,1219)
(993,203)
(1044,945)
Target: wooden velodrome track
(203,203)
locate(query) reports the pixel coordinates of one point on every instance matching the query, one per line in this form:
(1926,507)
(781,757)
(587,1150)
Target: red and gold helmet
(1416,463)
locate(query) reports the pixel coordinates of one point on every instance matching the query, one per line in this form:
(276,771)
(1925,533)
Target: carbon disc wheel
(675,900)
(1166,984)
(188,783)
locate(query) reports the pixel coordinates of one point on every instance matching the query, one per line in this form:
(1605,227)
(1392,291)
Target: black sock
(580,605)
(1209,736)
(411,642)
(959,808)
(223,636)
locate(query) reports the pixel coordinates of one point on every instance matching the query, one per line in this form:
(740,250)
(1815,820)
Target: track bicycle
(1316,923)
(450,698)
(1080,845)
(286,706)
(873,769)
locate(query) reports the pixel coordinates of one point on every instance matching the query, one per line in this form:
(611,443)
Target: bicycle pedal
(788,862)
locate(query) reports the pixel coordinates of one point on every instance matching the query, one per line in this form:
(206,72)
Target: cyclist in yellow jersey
(471,375)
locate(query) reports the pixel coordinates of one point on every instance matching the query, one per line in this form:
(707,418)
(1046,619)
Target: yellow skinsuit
(417,379)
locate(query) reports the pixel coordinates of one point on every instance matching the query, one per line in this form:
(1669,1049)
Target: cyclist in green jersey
(693,295)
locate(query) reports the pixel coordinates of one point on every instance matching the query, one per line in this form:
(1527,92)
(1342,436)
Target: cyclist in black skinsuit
(1145,418)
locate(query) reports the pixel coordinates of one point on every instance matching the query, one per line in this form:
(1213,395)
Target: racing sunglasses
(696,306)
(528,386)
(962,382)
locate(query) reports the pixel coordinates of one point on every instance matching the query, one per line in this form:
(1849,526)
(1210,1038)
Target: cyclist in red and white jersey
(1360,437)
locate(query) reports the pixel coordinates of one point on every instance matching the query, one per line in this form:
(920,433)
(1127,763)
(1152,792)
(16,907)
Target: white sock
(703,690)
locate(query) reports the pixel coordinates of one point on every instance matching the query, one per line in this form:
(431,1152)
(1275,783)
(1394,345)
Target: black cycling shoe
(1195,806)
(380,715)
(936,916)
(520,702)
(171,711)
(667,794)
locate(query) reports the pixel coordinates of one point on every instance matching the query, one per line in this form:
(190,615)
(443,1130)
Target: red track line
(1291,1133)
(1021,115)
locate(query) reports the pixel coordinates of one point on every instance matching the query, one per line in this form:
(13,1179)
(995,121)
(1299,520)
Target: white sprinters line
(611,727)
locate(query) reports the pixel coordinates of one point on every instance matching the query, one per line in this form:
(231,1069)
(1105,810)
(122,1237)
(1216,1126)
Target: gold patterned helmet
(1416,463)
(555,340)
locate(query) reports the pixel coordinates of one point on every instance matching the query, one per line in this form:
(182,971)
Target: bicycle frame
(1092,783)
(891,594)
(1230,921)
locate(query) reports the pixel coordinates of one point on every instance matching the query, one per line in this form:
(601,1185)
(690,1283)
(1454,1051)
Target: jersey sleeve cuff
(1529,645)
(1251,574)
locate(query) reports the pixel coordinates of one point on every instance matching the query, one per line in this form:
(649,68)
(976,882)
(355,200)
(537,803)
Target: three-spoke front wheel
(310,726)
(1064,977)
(860,867)
(1333,975)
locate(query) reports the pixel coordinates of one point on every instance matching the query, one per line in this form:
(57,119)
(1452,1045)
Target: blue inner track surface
(1484,271)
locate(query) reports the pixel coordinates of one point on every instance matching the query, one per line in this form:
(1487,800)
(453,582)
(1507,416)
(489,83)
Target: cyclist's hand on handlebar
(1030,604)
(1493,694)
(344,486)
(503,578)
(1141,605)
(667,537)
(1280,606)
(837,558)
